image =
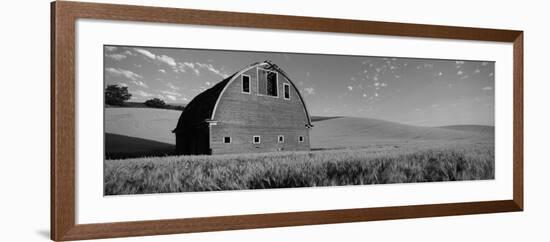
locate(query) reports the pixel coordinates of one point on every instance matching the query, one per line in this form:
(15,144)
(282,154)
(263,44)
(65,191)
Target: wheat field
(452,161)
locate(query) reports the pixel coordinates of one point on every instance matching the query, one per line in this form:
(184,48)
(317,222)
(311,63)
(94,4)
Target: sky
(423,92)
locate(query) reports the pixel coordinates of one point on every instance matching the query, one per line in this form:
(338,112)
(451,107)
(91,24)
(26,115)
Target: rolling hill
(360,132)
(148,131)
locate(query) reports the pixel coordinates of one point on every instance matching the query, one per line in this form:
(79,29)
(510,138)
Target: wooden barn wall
(241,116)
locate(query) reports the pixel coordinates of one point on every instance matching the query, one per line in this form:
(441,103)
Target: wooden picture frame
(63,18)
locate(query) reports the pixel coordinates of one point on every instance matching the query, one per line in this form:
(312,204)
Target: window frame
(254,139)
(258,82)
(242,84)
(301,139)
(279,139)
(230,139)
(285,85)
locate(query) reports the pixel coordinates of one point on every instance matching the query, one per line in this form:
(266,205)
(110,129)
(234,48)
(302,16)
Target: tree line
(118,96)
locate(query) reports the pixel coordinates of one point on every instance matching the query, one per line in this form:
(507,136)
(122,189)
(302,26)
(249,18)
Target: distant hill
(353,132)
(133,131)
(472,128)
(320,118)
(171,106)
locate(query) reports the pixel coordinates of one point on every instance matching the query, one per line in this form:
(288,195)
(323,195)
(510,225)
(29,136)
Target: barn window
(256,139)
(301,139)
(267,83)
(227,140)
(281,139)
(286,90)
(246,83)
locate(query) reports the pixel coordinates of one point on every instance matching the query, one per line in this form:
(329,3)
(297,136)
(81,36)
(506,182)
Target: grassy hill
(134,132)
(361,132)
(141,131)
(472,128)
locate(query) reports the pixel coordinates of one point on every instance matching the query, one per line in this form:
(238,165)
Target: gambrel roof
(203,107)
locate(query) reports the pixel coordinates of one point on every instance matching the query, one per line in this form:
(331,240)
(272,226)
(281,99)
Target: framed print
(172,120)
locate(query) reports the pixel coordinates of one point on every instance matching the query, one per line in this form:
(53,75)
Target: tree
(155,103)
(116,95)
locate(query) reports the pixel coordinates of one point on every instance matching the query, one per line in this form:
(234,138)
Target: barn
(257,109)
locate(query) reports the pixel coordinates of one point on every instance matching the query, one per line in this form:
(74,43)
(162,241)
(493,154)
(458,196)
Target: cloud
(464,77)
(477,71)
(309,90)
(487,88)
(440,74)
(184,66)
(364,95)
(167,60)
(189,64)
(211,68)
(350,88)
(116,57)
(171,97)
(110,48)
(491,74)
(140,83)
(160,58)
(166,92)
(383,84)
(460,72)
(208,83)
(162,70)
(484,63)
(377,84)
(172,86)
(121,72)
(459,62)
(128,52)
(146,53)
(143,93)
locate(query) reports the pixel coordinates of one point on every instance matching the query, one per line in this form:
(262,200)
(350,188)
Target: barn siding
(241,116)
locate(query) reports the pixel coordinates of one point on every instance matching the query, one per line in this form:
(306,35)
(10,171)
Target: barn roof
(201,108)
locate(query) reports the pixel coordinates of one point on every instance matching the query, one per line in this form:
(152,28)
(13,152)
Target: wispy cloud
(211,68)
(166,92)
(121,72)
(111,48)
(350,88)
(172,86)
(140,83)
(487,88)
(167,60)
(146,53)
(170,97)
(143,93)
(117,57)
(160,58)
(309,90)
